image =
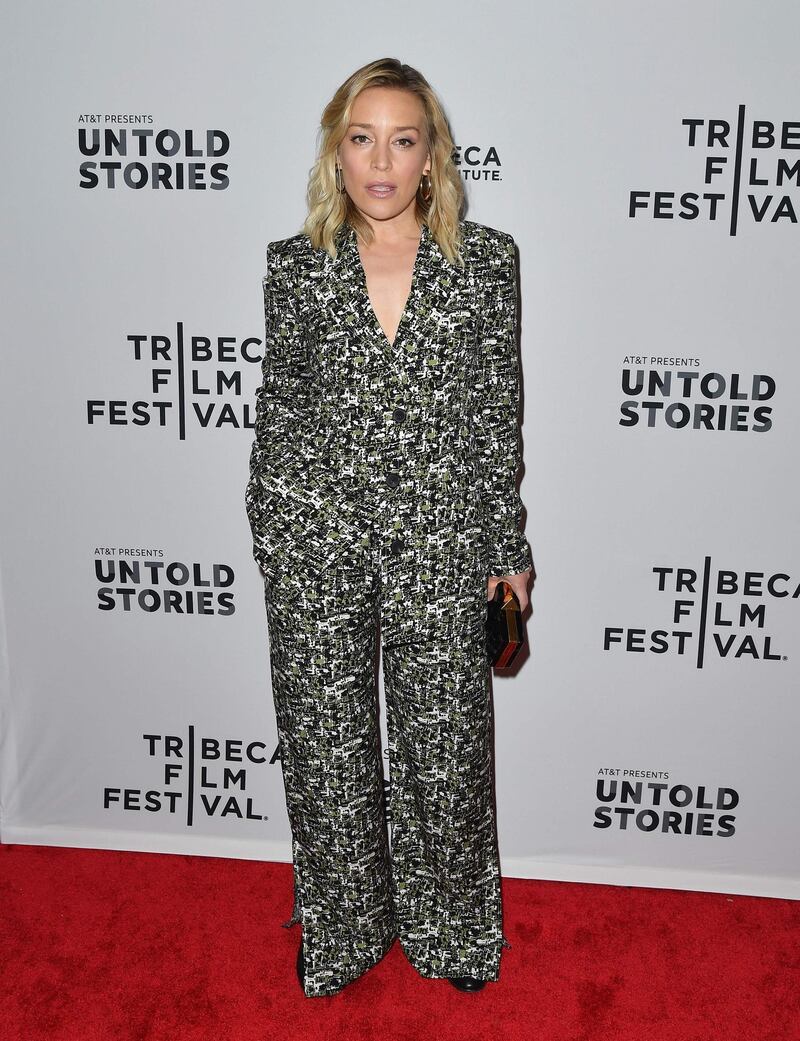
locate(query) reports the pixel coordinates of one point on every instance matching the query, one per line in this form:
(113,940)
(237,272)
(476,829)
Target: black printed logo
(748,170)
(195,776)
(721,612)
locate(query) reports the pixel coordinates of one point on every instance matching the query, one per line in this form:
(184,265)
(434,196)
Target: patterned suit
(382,493)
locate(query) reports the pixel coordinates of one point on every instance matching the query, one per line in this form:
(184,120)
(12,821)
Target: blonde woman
(383,505)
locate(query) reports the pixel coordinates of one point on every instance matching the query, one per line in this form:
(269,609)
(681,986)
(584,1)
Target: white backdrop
(650,737)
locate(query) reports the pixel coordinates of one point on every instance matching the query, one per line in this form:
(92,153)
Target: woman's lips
(381,191)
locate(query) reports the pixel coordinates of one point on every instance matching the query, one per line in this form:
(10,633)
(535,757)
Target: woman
(382,498)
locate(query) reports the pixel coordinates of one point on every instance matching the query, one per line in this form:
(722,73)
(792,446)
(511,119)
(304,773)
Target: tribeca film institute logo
(129,151)
(719,612)
(645,800)
(749,172)
(205,776)
(478,163)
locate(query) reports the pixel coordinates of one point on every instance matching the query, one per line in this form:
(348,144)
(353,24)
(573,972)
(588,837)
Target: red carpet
(107,946)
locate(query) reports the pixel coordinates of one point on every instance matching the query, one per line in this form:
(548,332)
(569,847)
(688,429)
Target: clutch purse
(504,632)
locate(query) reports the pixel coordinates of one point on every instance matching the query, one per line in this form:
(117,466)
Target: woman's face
(385,144)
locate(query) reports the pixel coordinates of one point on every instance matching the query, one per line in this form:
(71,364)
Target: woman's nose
(380,157)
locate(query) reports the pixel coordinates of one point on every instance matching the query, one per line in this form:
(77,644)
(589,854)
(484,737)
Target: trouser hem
(329,987)
(435,964)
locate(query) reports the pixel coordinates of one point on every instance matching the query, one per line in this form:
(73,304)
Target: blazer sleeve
(283,401)
(496,427)
(293,498)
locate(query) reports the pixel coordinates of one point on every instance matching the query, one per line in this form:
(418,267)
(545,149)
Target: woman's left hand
(519,583)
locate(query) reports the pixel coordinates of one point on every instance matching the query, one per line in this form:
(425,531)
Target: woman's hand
(519,583)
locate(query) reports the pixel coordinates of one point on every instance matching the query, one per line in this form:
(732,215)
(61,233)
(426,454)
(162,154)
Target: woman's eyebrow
(371,126)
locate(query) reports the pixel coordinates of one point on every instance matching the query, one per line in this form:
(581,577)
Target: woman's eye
(404,142)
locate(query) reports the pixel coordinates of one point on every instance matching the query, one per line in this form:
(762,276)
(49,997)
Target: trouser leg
(323,643)
(446,874)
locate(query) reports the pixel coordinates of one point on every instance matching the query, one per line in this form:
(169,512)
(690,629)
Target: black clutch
(504,632)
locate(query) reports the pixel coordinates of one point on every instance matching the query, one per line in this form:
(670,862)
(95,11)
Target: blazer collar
(433,285)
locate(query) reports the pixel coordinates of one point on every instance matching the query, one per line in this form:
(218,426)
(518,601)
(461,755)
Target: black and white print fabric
(381,496)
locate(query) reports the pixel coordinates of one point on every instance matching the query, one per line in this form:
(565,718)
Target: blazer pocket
(306,522)
(264,524)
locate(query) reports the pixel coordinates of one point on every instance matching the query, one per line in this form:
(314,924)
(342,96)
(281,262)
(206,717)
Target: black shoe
(301,967)
(468,983)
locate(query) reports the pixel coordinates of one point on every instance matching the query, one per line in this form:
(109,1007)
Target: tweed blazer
(419,437)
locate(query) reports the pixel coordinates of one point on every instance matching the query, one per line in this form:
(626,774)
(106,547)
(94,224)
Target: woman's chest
(437,338)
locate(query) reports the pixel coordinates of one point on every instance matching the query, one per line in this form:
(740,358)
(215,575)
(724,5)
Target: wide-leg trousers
(436,884)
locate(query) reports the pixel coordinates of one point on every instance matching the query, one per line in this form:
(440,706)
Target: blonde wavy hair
(329,209)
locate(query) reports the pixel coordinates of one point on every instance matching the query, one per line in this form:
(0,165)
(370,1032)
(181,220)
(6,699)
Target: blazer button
(399,415)
(397,546)
(393,479)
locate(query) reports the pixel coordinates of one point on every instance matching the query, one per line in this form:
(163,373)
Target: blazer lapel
(434,292)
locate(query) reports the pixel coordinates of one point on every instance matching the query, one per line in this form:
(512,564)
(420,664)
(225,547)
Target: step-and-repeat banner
(647,161)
